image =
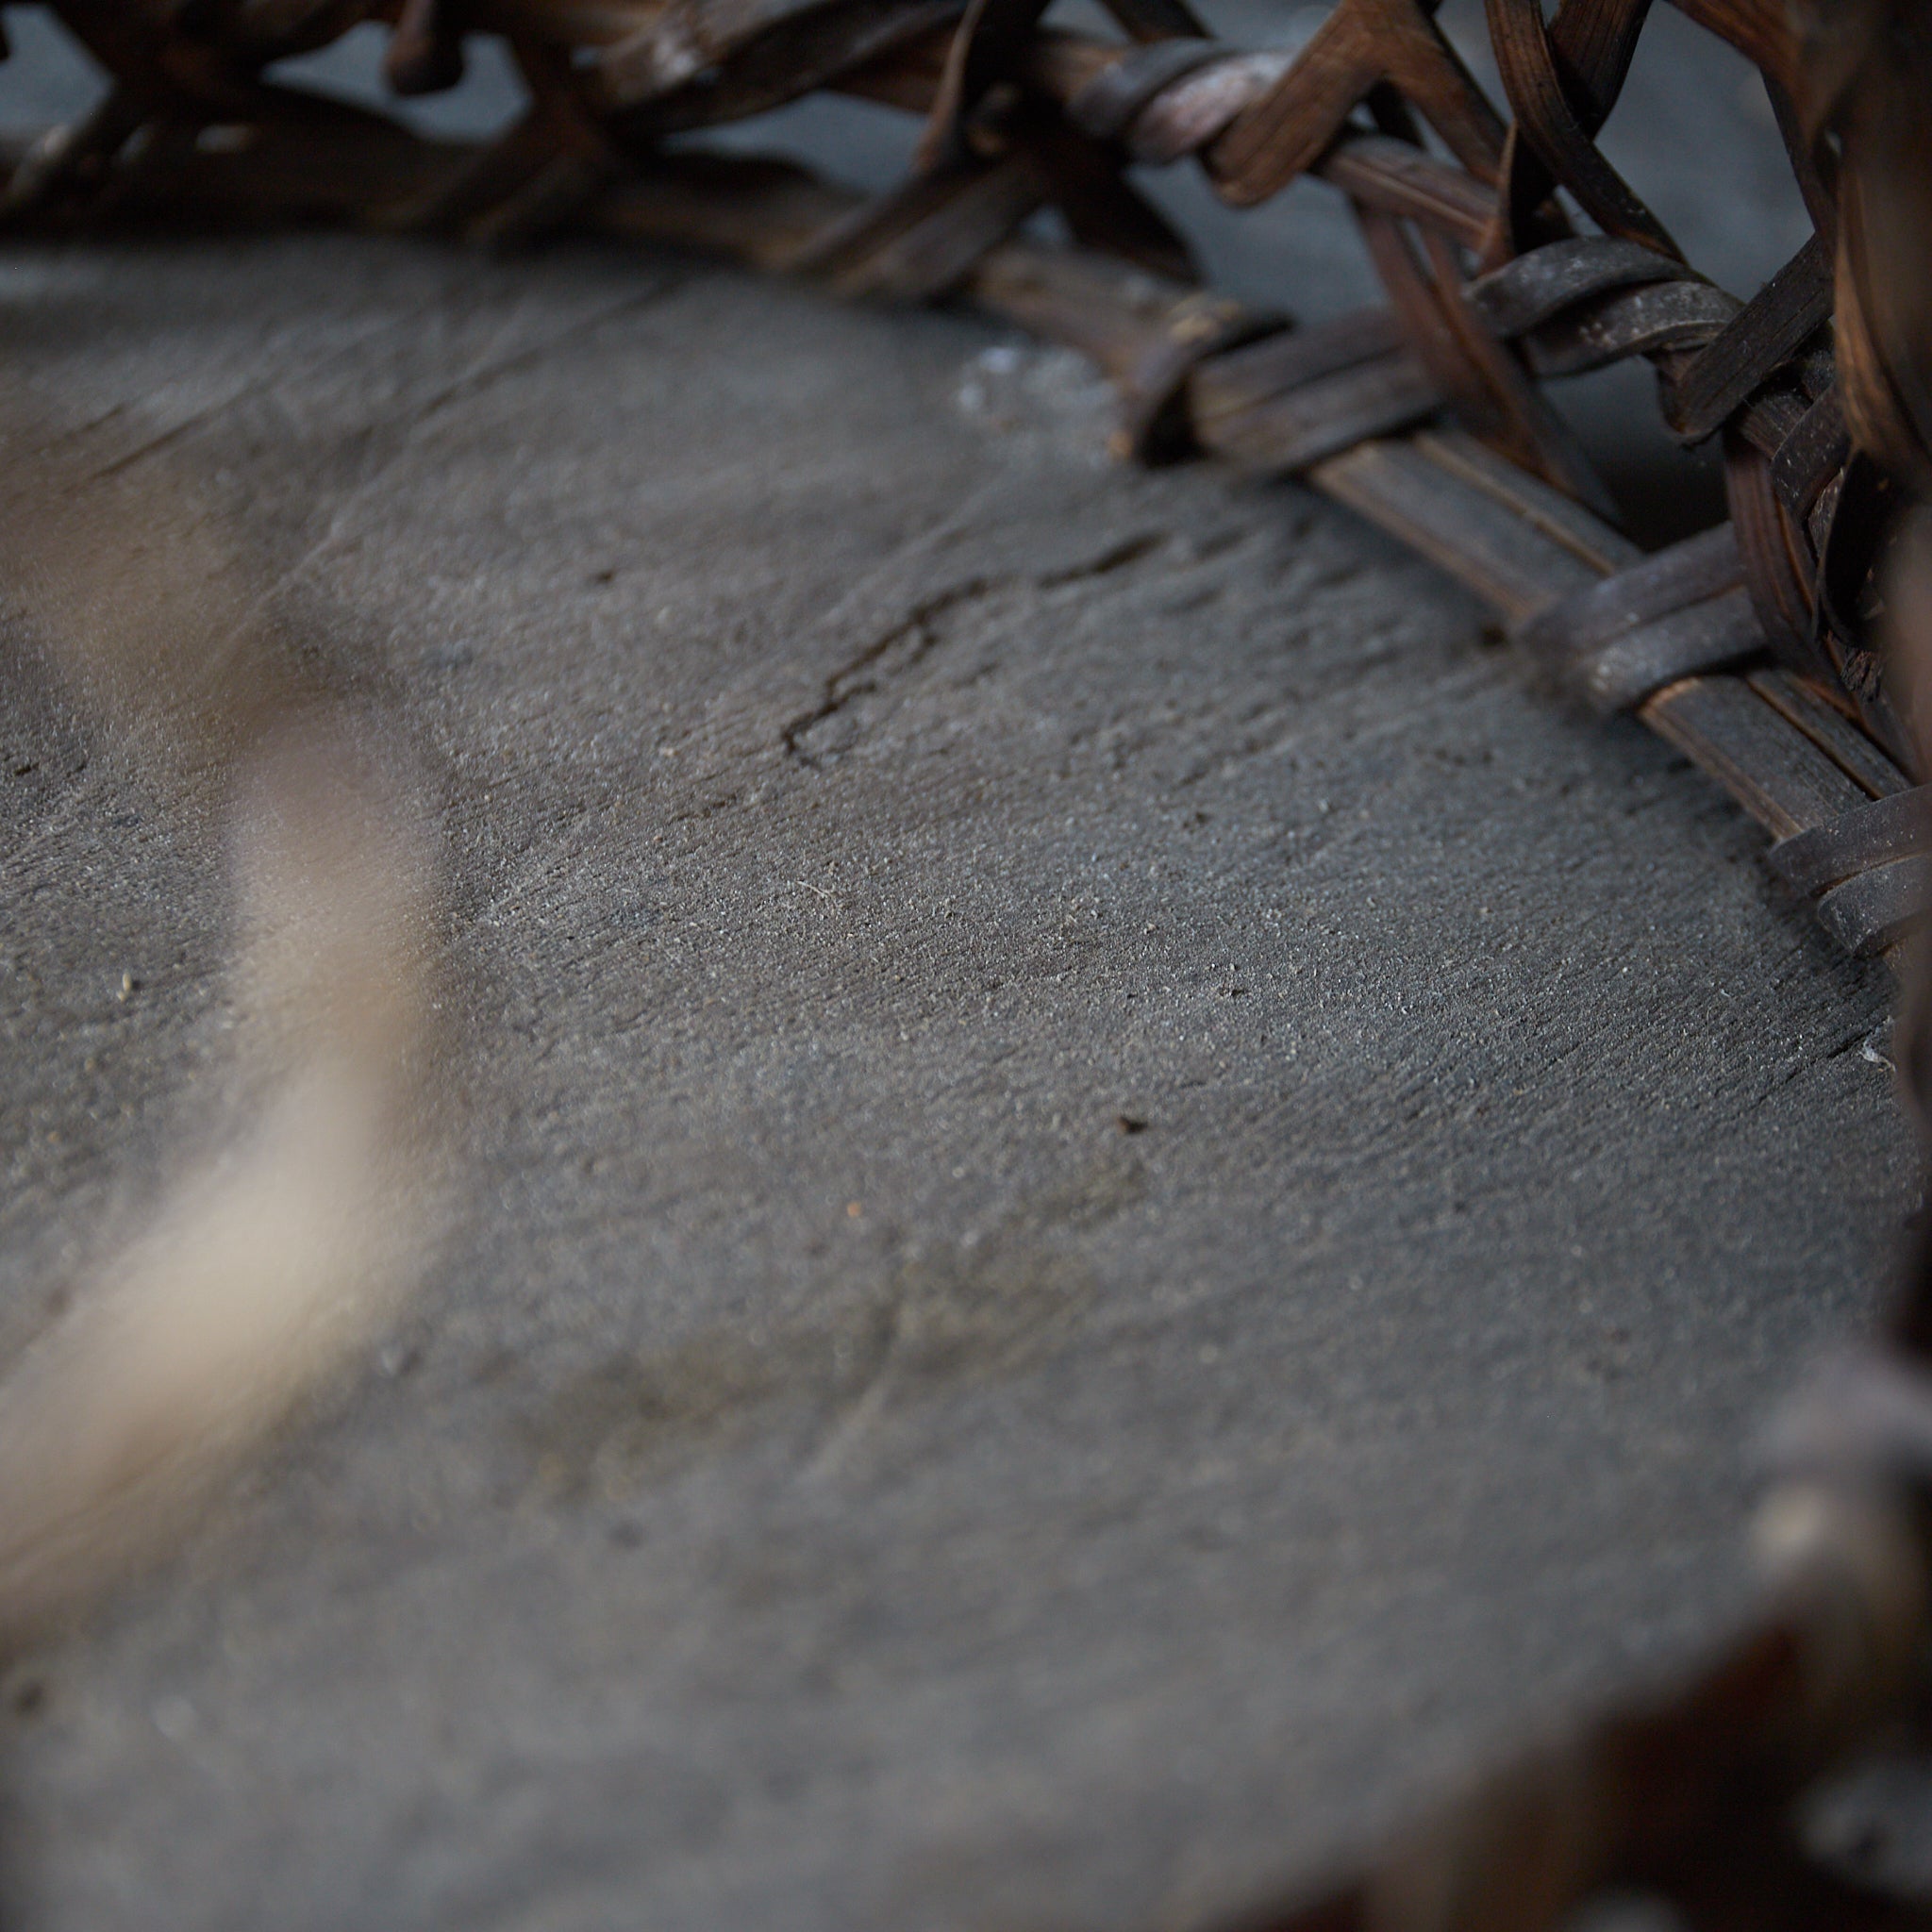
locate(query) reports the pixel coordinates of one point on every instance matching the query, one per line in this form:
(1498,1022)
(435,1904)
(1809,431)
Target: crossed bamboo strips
(1778,651)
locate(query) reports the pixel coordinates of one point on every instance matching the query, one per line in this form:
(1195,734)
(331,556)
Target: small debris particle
(854,1210)
(173,1717)
(1129,1124)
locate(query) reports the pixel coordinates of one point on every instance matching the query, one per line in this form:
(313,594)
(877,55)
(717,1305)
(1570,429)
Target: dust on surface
(992,1303)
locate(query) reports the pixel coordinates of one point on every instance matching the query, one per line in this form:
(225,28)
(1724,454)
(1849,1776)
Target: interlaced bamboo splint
(1775,651)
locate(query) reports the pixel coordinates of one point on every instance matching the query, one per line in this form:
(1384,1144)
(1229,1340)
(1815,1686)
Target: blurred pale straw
(277,1254)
